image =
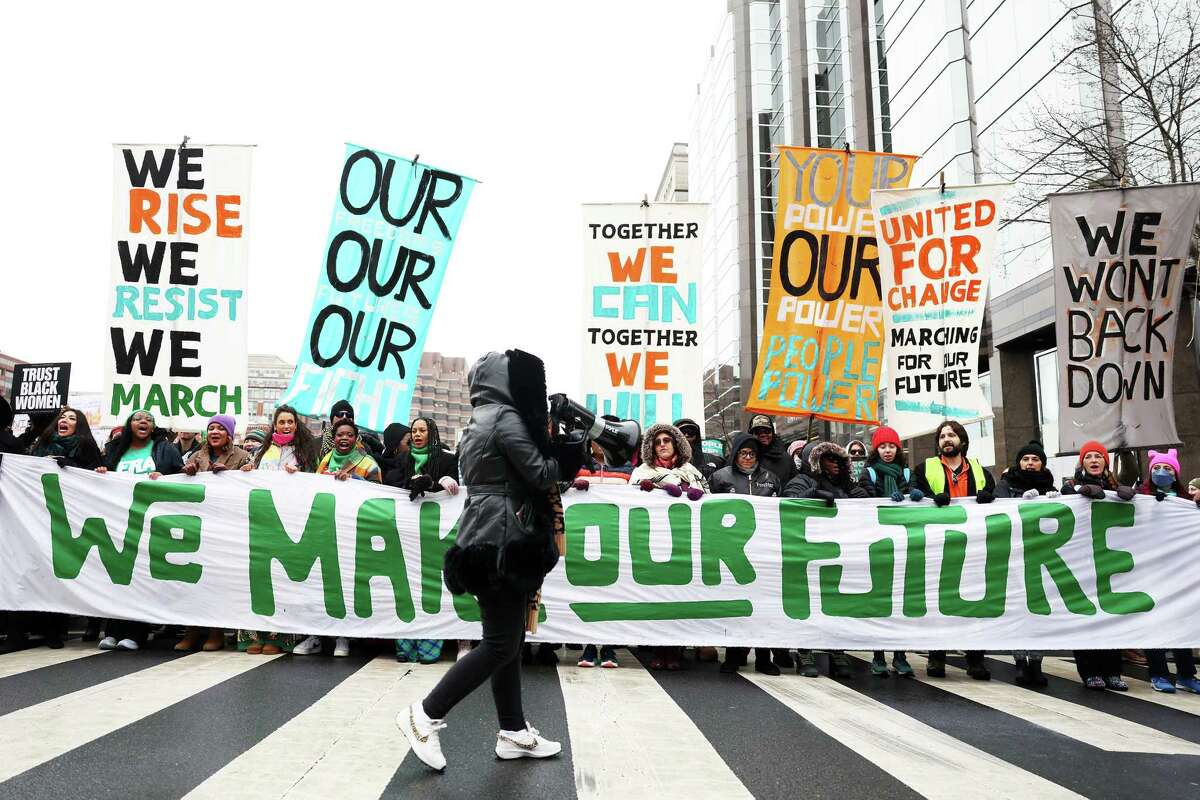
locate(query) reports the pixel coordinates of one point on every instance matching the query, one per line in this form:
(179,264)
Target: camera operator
(505,546)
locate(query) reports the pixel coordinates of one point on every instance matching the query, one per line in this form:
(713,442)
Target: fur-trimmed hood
(683,449)
(828,448)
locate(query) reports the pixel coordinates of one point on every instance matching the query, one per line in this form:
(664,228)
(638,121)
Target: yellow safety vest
(935,474)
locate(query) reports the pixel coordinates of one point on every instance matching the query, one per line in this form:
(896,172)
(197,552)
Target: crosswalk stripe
(1180,701)
(38,733)
(350,732)
(38,657)
(1105,731)
(630,739)
(931,762)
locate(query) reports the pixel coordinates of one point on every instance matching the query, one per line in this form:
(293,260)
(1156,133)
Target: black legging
(1098,663)
(498,656)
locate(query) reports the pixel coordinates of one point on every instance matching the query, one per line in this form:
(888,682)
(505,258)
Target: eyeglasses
(664,440)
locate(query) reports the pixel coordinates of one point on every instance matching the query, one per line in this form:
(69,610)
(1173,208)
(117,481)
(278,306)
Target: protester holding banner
(397,438)
(747,476)
(773,454)
(341,410)
(292,446)
(1193,489)
(428,466)
(504,547)
(141,449)
(68,440)
(348,458)
(1098,669)
(218,453)
(828,479)
(887,474)
(144,450)
(950,474)
(1164,475)
(187,442)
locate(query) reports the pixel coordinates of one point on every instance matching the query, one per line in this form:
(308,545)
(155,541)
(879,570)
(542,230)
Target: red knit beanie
(1094,447)
(884,435)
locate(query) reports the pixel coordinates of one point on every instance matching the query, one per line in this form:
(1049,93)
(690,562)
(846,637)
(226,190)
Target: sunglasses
(343,415)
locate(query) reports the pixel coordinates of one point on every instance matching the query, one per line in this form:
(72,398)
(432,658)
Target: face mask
(1162,479)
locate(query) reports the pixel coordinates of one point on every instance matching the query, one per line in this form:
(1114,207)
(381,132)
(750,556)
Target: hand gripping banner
(308,554)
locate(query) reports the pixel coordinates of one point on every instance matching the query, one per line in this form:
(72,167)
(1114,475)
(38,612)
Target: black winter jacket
(809,483)
(167,459)
(731,480)
(503,542)
(921,483)
(776,459)
(440,464)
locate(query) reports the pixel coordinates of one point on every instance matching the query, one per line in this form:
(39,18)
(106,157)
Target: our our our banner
(935,256)
(393,228)
(175,342)
(40,388)
(308,554)
(641,355)
(1119,259)
(822,342)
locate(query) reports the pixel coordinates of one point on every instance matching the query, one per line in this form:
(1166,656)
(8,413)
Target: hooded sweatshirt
(732,479)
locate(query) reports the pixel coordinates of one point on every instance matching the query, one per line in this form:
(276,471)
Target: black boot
(766,666)
(975,667)
(839,665)
(936,668)
(1036,677)
(1022,678)
(92,632)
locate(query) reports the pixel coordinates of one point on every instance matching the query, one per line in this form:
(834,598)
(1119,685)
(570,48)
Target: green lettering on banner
(69,552)
(998,546)
(433,559)
(726,544)
(377,520)
(1041,550)
(1110,562)
(798,551)
(914,521)
(124,397)
(163,543)
(876,601)
(677,570)
(604,569)
(269,541)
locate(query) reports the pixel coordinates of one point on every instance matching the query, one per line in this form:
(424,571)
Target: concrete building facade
(442,394)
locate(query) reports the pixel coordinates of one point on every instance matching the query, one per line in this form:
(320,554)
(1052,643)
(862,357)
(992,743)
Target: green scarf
(61,446)
(891,474)
(420,455)
(337,461)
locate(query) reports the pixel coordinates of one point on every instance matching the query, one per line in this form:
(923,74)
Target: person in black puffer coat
(772,452)
(1027,477)
(427,465)
(828,479)
(504,547)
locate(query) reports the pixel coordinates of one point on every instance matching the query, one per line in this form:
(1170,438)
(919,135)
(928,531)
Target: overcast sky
(549,104)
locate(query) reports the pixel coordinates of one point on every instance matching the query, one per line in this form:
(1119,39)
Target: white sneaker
(422,735)
(108,643)
(310,646)
(127,644)
(464,647)
(525,744)
(341,647)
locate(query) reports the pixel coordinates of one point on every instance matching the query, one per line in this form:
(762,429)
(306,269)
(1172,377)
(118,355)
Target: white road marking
(38,657)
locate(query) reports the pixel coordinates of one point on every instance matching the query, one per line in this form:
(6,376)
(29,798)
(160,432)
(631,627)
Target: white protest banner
(308,554)
(641,311)
(176,337)
(1119,259)
(936,248)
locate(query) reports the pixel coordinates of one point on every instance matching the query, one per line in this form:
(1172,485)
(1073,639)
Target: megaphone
(618,439)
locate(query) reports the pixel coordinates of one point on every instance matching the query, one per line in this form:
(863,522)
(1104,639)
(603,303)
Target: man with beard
(707,463)
(947,475)
(772,452)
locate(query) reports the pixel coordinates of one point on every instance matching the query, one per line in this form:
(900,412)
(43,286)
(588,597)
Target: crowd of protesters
(672,458)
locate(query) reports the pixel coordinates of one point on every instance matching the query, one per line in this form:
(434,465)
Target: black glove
(859,493)
(1126,493)
(569,454)
(1160,495)
(823,495)
(1091,491)
(61,461)
(942,499)
(419,485)
(984,496)
(1069,488)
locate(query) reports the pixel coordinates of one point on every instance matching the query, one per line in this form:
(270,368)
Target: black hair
(82,429)
(341,423)
(125,440)
(958,429)
(874,457)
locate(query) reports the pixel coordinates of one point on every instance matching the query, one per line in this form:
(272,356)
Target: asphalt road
(77,723)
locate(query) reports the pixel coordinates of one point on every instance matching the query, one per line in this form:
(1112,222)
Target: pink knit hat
(795,447)
(1170,458)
